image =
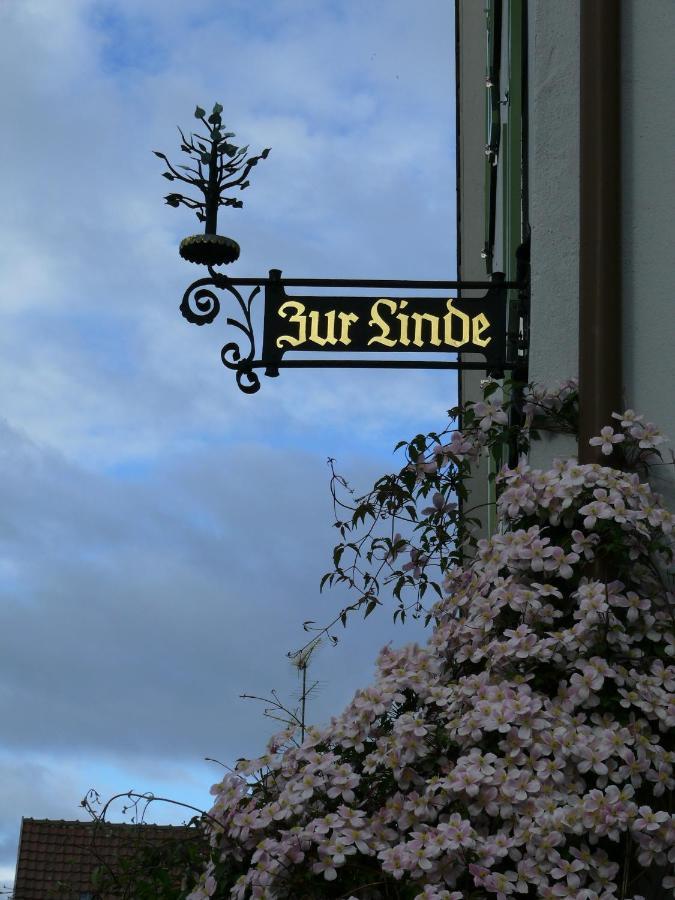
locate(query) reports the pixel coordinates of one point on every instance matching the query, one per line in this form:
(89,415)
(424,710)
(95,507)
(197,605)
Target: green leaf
(199,113)
(369,608)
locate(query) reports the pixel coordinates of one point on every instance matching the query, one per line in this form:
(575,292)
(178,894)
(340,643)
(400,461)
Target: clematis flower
(439,505)
(490,414)
(606,439)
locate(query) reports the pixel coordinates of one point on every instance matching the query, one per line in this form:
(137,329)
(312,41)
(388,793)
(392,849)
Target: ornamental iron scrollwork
(200,306)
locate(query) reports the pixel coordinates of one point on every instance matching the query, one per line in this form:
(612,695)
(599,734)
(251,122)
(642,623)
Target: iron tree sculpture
(216,166)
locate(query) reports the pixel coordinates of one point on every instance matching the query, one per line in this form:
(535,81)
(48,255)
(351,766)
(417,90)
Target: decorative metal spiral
(199,305)
(247,378)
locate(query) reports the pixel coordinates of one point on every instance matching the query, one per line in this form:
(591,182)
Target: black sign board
(319,331)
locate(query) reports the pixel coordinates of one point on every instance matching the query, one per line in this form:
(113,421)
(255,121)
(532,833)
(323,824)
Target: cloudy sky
(162,535)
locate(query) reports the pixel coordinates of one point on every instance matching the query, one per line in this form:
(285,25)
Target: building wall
(553,112)
(471,156)
(471,64)
(648,127)
(648,198)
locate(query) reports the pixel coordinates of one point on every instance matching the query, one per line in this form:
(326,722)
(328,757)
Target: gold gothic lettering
(463,321)
(390,326)
(315,326)
(378,322)
(403,319)
(346,320)
(314,335)
(298,319)
(458,328)
(419,319)
(480,324)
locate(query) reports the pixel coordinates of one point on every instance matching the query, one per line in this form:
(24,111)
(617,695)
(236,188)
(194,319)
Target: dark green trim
(513,162)
(492,123)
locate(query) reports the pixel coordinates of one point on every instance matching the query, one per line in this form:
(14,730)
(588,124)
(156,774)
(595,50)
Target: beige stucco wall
(553,62)
(471,231)
(648,223)
(648,198)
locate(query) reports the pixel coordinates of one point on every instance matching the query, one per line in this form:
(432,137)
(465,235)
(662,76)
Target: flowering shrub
(437,534)
(527,749)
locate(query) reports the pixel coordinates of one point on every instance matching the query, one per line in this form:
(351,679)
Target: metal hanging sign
(376,329)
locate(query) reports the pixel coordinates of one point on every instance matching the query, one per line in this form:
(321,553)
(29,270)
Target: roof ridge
(103,822)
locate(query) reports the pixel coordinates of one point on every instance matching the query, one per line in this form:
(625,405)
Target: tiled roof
(57,859)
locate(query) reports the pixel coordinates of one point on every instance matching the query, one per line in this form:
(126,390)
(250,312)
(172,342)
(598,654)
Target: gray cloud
(130,601)
(90,274)
(162,535)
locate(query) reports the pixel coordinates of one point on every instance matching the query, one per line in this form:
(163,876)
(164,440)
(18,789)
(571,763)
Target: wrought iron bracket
(200,306)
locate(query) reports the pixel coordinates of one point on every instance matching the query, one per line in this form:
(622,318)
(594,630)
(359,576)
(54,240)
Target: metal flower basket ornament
(216,166)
